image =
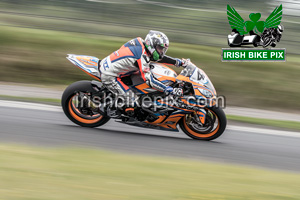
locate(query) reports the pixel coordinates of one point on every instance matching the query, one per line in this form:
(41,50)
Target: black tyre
(213,128)
(266,42)
(256,42)
(73,112)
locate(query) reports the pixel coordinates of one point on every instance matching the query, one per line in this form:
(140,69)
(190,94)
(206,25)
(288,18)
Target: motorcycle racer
(134,57)
(272,35)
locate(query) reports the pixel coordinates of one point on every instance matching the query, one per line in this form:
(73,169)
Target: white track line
(44,107)
(264,131)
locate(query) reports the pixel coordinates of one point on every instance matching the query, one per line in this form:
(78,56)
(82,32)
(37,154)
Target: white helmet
(157,43)
(280,28)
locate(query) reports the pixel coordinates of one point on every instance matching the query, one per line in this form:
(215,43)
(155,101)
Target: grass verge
(31,99)
(267,122)
(38,57)
(71,173)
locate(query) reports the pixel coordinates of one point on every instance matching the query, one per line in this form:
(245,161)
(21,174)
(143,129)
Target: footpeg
(129,111)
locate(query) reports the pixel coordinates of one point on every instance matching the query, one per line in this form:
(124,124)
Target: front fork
(199,116)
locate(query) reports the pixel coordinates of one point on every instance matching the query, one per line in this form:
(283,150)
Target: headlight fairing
(206,93)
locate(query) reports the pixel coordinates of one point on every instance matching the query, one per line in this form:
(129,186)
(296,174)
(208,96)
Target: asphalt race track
(47,127)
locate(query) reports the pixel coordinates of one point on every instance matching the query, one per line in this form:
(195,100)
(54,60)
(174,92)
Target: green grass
(267,122)
(76,174)
(32,99)
(37,56)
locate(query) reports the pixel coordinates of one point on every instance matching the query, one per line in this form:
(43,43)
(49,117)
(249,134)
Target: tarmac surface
(45,125)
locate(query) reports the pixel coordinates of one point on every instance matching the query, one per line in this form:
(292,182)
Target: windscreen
(197,75)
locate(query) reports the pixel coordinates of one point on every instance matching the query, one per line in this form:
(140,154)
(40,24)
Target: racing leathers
(131,58)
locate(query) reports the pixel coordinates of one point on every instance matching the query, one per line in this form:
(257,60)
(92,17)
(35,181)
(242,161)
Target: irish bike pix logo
(254,39)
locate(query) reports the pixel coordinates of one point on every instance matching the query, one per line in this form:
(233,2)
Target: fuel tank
(161,72)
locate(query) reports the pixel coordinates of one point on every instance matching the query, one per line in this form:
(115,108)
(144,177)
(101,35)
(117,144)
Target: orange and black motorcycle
(86,102)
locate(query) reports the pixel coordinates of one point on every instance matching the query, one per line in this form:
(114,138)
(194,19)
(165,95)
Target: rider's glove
(178,62)
(174,91)
(168,90)
(182,62)
(185,62)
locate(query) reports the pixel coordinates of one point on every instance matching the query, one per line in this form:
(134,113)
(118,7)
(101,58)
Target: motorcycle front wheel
(214,126)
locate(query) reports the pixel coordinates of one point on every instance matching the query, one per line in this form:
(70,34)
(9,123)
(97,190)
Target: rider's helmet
(280,29)
(157,44)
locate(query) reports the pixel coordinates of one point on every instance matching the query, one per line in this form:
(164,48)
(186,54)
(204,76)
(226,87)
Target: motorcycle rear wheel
(73,112)
(213,128)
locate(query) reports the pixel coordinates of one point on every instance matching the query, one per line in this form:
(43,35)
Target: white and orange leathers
(130,58)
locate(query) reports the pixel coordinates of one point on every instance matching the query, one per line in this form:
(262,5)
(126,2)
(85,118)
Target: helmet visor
(161,50)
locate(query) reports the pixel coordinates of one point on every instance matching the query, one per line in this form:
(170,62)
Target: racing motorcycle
(270,36)
(90,104)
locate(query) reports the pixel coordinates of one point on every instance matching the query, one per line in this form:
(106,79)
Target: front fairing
(202,85)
